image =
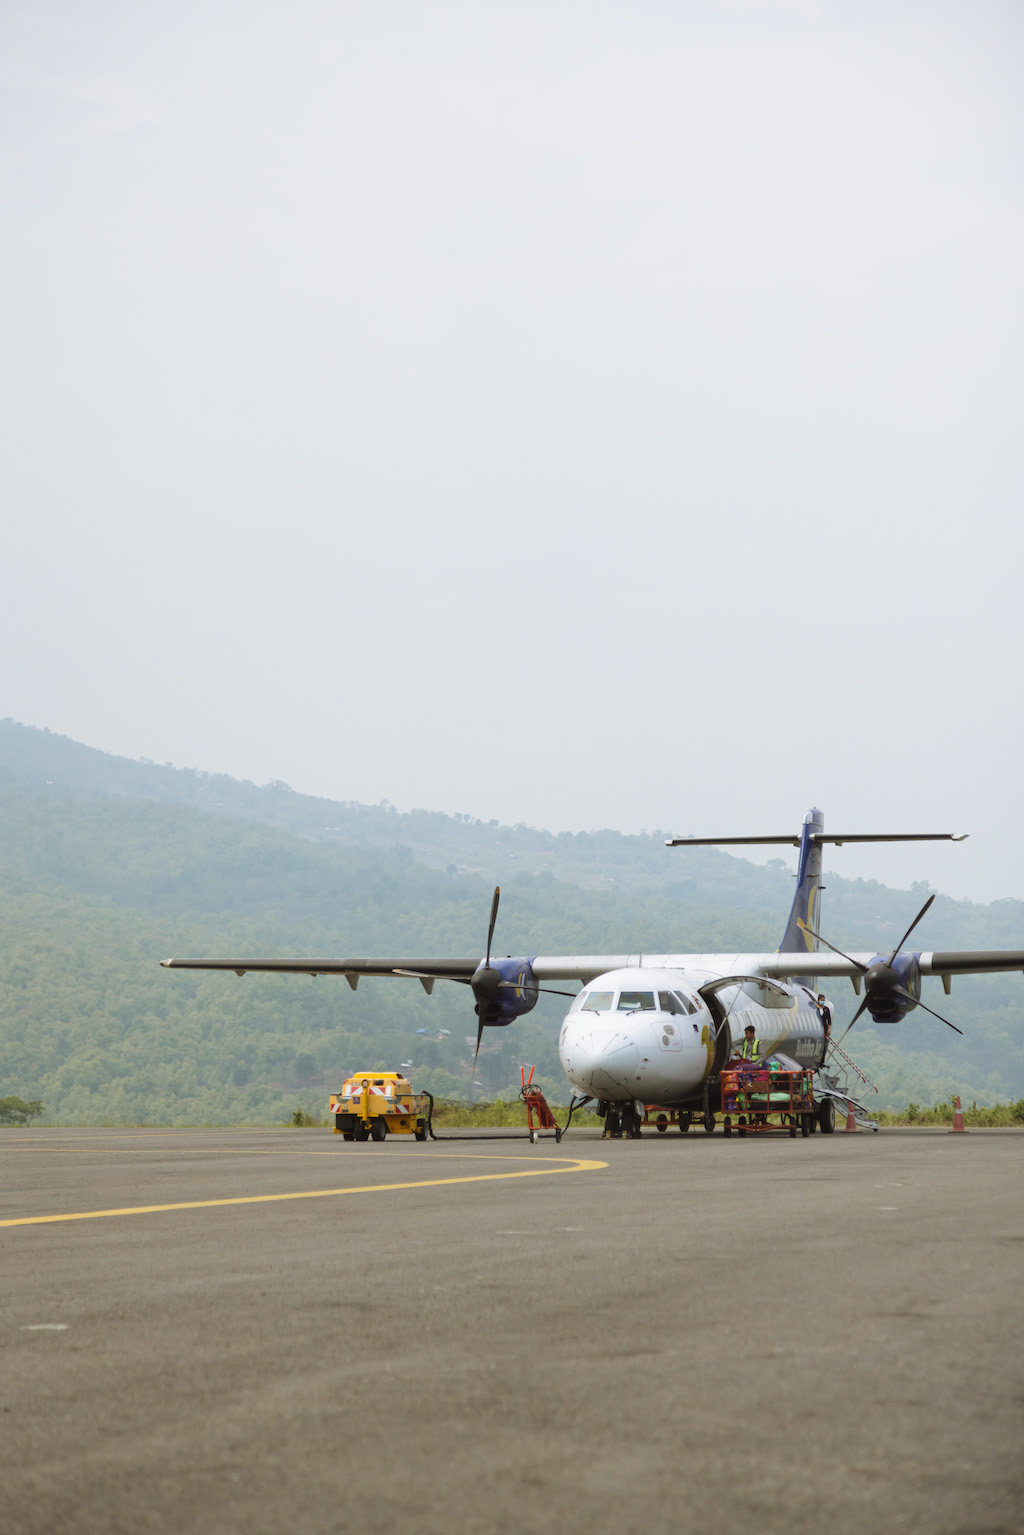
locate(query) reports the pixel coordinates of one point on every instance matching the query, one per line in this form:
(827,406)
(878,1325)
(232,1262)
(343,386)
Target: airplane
(660,1028)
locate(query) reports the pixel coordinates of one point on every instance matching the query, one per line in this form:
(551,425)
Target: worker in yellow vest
(750,1050)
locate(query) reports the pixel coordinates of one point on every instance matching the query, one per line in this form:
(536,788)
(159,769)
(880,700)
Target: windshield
(599,1002)
(630,1001)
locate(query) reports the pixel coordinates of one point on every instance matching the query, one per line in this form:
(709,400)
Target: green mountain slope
(106,866)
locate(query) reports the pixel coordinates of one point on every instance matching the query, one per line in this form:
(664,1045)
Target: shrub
(15,1111)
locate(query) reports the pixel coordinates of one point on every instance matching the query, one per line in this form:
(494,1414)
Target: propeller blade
(910,929)
(852,1021)
(848,957)
(426,975)
(900,992)
(548,992)
(494,918)
(479,1037)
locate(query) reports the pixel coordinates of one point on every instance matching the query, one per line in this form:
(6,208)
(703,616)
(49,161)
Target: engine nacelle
(884,983)
(504,990)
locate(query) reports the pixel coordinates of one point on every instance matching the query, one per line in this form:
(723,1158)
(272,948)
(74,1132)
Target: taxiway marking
(576,1166)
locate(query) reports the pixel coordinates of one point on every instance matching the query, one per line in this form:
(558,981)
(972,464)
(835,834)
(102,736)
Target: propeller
(487,983)
(881,980)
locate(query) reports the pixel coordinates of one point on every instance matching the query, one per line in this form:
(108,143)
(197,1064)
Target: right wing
(427,971)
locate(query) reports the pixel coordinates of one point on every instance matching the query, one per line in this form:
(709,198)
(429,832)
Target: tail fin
(807,900)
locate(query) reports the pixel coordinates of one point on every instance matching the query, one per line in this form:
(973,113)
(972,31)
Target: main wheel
(827,1116)
(685,1121)
(379,1129)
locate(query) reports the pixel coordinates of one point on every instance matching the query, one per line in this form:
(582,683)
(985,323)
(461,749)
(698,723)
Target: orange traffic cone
(852,1128)
(959,1128)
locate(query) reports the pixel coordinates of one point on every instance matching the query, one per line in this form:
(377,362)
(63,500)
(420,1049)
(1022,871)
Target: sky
(583,415)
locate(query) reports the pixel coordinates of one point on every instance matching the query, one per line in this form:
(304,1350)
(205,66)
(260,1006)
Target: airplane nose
(604,1065)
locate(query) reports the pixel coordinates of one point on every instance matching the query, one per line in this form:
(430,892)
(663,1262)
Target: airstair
(839,1077)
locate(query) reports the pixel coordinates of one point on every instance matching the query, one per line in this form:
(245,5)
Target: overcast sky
(585,414)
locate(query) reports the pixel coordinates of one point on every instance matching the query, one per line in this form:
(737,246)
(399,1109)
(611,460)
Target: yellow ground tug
(378,1104)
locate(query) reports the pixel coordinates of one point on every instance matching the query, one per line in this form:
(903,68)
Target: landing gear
(827,1116)
(612,1125)
(708,1121)
(631,1123)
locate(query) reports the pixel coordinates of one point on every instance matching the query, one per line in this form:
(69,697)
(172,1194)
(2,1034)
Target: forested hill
(108,865)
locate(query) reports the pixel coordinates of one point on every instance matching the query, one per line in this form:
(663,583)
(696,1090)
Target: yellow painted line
(369,1150)
(576,1166)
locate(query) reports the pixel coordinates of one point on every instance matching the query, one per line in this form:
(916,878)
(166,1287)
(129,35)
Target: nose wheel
(708,1122)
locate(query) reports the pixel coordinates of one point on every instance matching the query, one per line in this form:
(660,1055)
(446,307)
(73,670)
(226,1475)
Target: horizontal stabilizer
(838,838)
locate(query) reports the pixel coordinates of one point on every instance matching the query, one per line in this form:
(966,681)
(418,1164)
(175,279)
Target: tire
(347,1135)
(421,1135)
(685,1121)
(727,1129)
(792,1130)
(379,1129)
(662,1123)
(806,1120)
(361,1131)
(708,1122)
(827,1116)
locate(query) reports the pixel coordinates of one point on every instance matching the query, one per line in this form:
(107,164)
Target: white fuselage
(646,1034)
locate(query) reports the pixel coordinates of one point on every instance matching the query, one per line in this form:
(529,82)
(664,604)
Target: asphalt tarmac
(271,1331)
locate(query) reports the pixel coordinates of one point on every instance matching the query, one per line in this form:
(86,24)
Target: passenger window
(670,1003)
(599,1002)
(630,1001)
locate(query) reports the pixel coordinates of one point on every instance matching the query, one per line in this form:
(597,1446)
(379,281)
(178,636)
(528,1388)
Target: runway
(263,1331)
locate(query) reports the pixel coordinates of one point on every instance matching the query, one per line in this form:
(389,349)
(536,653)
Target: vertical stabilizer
(807,901)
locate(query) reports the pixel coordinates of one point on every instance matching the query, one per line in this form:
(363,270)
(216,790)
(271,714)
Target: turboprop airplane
(659,1028)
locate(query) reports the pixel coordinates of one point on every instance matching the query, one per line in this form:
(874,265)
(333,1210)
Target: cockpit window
(631,1001)
(598,1002)
(670,1003)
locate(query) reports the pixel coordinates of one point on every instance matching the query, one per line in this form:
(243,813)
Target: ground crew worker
(750,1050)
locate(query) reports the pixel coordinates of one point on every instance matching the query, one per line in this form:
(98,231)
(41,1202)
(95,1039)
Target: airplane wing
(950,962)
(584,967)
(423,970)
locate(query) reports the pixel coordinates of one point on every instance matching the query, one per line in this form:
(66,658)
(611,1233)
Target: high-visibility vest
(750,1049)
